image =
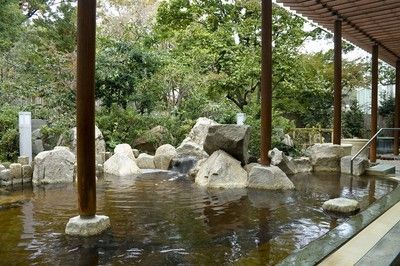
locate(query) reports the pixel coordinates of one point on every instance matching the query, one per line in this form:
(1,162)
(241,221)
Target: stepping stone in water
(341,205)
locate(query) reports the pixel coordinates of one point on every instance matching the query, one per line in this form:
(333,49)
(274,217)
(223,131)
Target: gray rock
(77,226)
(6,178)
(124,149)
(106,155)
(27,174)
(151,139)
(2,167)
(233,139)
(121,165)
(326,157)
(285,163)
(221,170)
(99,169)
(136,152)
(360,164)
(16,172)
(36,134)
(271,178)
(100,144)
(303,165)
(341,205)
(199,131)
(287,140)
(164,155)
(145,161)
(23,160)
(191,148)
(55,166)
(195,169)
(250,166)
(37,146)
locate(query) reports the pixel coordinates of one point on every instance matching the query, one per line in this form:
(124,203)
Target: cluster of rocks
(222,151)
(16,174)
(214,155)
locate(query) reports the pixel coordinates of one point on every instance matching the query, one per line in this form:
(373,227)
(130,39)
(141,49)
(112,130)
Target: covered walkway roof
(365,22)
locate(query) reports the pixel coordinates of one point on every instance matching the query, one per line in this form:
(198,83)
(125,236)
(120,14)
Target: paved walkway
(395,163)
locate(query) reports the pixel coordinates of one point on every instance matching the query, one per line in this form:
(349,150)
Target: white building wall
(364,96)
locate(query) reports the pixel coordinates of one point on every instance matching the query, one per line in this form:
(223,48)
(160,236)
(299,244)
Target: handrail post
(366,145)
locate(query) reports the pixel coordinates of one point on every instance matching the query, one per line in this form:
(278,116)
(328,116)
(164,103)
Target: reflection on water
(160,220)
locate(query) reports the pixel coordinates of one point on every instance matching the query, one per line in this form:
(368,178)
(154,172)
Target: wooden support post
(85,108)
(266,81)
(397,110)
(374,102)
(337,101)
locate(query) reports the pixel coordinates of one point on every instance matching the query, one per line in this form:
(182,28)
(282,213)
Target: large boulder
(199,131)
(234,139)
(124,149)
(27,173)
(121,165)
(326,157)
(285,163)
(100,144)
(145,161)
(16,172)
(151,139)
(221,170)
(269,177)
(196,168)
(191,148)
(164,155)
(303,165)
(360,164)
(55,166)
(6,178)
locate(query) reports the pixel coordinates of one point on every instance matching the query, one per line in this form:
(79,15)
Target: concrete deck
(368,238)
(377,244)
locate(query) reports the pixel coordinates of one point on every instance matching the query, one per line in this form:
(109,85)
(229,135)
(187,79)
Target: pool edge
(319,249)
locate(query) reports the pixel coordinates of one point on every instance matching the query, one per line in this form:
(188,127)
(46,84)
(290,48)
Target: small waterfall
(182,165)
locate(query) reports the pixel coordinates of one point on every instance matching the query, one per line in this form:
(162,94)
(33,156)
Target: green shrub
(120,125)
(353,122)
(9,142)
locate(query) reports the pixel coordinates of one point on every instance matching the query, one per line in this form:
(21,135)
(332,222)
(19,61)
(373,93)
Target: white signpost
(25,135)
(240,118)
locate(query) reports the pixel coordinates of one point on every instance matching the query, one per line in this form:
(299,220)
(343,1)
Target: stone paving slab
(364,242)
(385,251)
(320,249)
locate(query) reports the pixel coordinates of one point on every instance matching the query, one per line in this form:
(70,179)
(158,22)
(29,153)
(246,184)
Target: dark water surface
(160,220)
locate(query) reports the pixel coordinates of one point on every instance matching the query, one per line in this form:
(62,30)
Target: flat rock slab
(381,169)
(341,205)
(77,226)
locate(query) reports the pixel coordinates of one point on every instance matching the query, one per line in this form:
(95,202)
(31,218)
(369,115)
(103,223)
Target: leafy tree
(353,122)
(222,41)
(386,108)
(120,67)
(11,18)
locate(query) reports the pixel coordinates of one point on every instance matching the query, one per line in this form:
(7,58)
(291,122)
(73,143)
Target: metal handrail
(366,145)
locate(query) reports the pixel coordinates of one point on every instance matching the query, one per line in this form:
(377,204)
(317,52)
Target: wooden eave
(365,22)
